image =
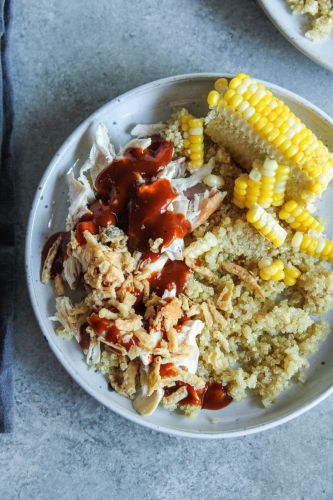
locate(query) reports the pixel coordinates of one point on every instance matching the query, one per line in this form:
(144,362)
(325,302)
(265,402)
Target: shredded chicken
(78,200)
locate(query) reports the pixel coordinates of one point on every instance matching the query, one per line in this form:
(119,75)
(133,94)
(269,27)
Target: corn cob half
(252,123)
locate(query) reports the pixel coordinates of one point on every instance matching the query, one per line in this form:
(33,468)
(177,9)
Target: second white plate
(293,28)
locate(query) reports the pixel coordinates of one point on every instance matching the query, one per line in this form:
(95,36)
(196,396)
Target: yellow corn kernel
(292,271)
(229,94)
(213,98)
(279,276)
(221,85)
(289,281)
(273,135)
(196,148)
(196,139)
(298,157)
(195,156)
(264,262)
(214,181)
(235,83)
(242,181)
(253,101)
(235,101)
(261,123)
(195,122)
(264,275)
(267,128)
(254,118)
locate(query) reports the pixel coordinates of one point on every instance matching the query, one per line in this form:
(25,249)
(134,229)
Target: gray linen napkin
(7,229)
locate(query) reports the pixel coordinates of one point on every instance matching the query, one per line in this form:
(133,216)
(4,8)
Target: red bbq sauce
(99,214)
(181,322)
(211,397)
(102,213)
(173,275)
(81,227)
(147,258)
(215,397)
(168,370)
(61,255)
(111,333)
(149,218)
(84,337)
(194,396)
(118,181)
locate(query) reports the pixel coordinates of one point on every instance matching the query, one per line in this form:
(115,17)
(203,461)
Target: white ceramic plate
(293,28)
(146,104)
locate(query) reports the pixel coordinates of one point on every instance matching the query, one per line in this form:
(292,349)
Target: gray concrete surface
(69,57)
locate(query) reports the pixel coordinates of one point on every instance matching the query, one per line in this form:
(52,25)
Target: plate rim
(138,419)
(266,6)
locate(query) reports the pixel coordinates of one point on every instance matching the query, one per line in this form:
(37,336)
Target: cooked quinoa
(320,15)
(226,325)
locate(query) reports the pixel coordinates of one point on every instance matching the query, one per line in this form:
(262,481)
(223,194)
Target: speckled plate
(293,28)
(146,104)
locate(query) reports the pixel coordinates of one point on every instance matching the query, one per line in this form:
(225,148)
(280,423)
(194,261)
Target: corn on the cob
(291,275)
(271,270)
(261,185)
(267,225)
(298,217)
(252,123)
(192,129)
(319,247)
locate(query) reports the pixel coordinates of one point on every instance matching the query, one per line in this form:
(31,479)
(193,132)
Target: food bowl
(151,103)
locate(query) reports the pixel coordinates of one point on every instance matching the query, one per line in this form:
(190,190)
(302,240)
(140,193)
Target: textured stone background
(69,57)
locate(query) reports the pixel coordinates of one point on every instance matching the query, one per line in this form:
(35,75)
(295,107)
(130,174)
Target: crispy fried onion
(244,275)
